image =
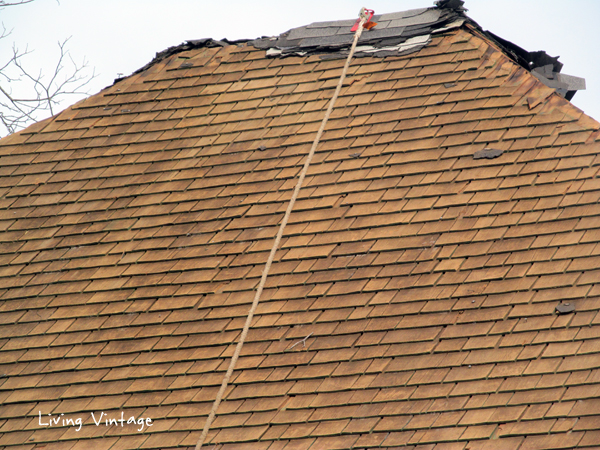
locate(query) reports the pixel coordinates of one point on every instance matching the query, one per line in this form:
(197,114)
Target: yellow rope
(286,217)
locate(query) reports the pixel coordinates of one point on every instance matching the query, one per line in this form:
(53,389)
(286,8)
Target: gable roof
(436,287)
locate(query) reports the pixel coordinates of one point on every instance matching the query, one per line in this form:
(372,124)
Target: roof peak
(396,33)
(404,32)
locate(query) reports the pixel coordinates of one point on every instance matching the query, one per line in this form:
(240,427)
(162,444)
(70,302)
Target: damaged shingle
(544,67)
(565,308)
(487,153)
(402,33)
(394,34)
(565,85)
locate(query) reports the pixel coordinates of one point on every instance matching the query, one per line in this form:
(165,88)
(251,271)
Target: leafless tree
(4,3)
(25,93)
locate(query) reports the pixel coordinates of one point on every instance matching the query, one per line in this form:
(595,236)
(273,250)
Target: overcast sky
(120,36)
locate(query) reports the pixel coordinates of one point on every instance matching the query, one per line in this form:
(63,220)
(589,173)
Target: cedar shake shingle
(413,299)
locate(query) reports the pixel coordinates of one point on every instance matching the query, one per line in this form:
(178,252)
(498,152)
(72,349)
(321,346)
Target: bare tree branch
(38,91)
(4,3)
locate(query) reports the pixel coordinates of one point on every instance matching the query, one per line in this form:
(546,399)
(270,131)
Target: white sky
(120,36)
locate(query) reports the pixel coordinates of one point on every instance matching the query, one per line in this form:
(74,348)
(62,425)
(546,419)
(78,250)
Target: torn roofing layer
(334,38)
(406,32)
(545,67)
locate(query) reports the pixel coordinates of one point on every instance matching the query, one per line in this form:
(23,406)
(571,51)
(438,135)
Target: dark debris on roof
(405,32)
(396,33)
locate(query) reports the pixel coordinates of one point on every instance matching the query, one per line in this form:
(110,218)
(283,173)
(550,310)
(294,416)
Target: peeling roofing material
(406,32)
(395,34)
(546,68)
(423,297)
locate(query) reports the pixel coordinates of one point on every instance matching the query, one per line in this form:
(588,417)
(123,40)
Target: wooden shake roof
(437,287)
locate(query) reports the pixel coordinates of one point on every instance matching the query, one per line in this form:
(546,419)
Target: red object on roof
(369,13)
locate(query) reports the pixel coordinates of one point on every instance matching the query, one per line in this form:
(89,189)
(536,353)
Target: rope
(286,217)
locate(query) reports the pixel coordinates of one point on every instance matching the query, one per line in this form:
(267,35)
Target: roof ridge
(395,34)
(183,47)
